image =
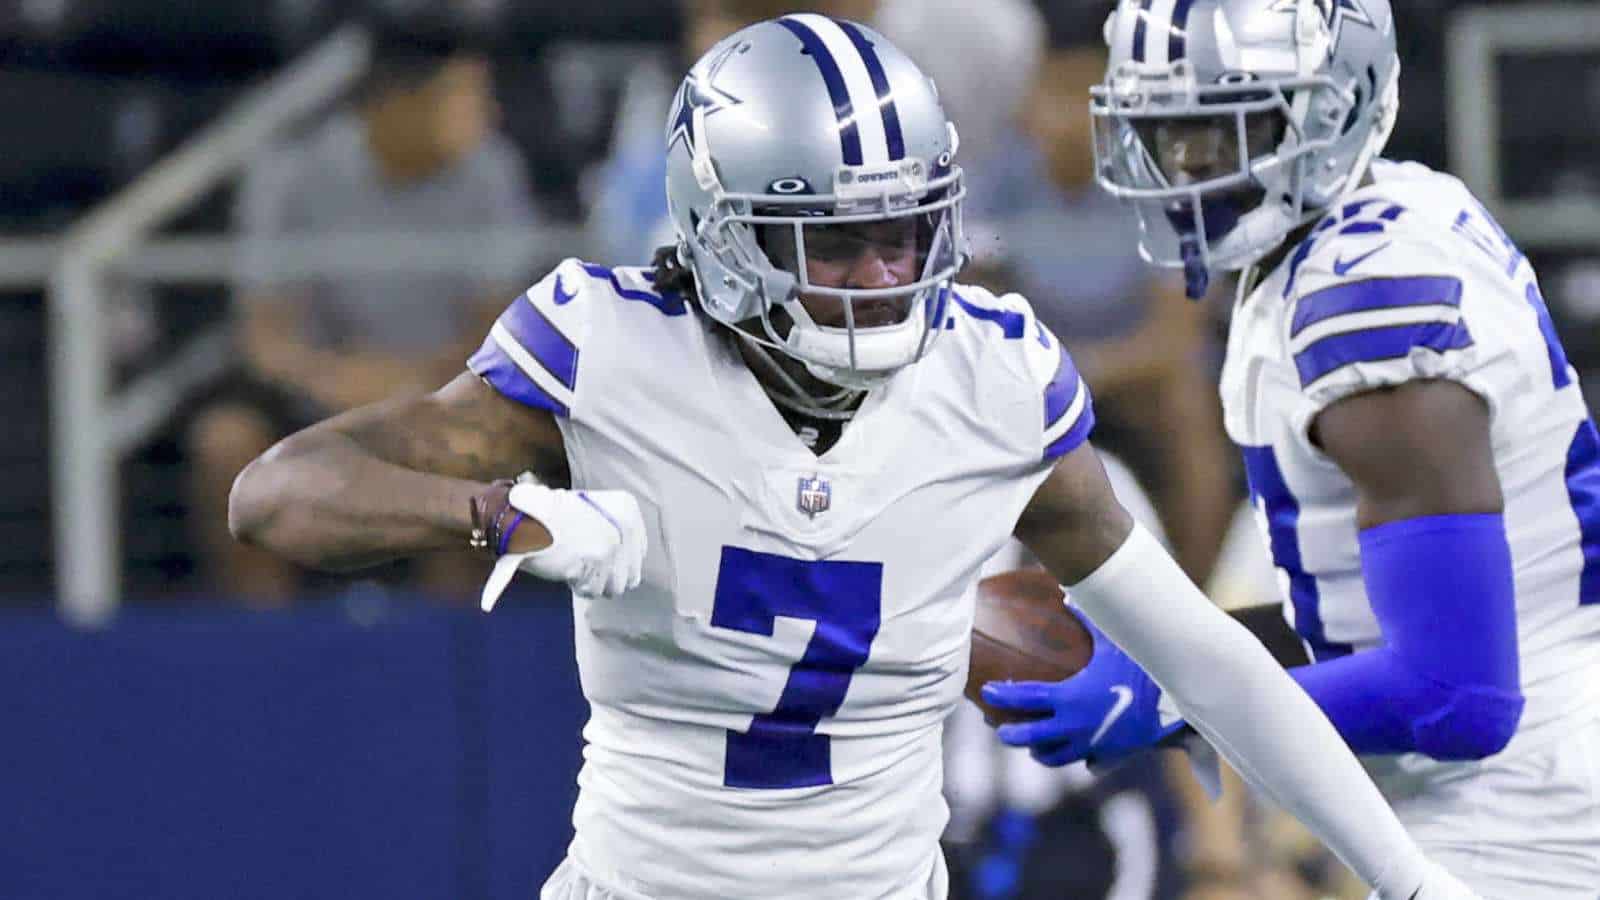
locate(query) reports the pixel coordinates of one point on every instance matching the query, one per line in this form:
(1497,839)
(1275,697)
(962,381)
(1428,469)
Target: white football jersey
(766,707)
(1411,279)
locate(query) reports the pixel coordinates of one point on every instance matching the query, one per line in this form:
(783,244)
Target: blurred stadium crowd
(547,117)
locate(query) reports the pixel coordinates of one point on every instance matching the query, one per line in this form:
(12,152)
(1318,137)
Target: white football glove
(598,544)
(1437,884)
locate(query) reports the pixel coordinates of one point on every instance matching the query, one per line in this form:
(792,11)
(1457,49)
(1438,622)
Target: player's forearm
(320,499)
(1232,691)
(1445,682)
(1376,702)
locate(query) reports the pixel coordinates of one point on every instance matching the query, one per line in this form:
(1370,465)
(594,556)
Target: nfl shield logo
(814,496)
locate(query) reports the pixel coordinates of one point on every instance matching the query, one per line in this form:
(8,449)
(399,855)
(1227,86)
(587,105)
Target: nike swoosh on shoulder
(562,297)
(1340,267)
(1123,701)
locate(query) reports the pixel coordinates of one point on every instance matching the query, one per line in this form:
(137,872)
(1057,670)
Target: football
(1023,632)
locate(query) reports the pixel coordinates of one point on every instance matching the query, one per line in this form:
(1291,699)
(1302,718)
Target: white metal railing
(1476,37)
(87,422)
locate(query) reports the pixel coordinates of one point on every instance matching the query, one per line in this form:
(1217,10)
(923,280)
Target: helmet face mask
(798,260)
(837,254)
(1222,161)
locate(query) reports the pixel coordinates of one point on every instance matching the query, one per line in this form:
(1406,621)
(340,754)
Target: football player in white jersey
(770,467)
(1416,443)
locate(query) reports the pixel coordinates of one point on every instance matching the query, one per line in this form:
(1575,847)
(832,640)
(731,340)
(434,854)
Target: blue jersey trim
(880,85)
(1062,389)
(1377,344)
(844,113)
(1374,293)
(543,340)
(1078,433)
(1013,324)
(670,303)
(1269,489)
(493,365)
(1583,490)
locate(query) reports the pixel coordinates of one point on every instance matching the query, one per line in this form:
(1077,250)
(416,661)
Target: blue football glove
(1104,714)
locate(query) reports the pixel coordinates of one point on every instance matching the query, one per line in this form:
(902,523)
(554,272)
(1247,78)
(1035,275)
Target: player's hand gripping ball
(1023,632)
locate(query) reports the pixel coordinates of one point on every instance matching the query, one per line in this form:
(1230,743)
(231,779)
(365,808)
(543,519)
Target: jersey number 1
(782,748)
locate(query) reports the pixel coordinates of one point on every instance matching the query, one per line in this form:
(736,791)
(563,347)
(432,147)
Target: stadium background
(166,736)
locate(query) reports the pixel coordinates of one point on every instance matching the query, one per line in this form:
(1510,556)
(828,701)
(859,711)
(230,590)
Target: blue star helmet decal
(702,94)
(1337,11)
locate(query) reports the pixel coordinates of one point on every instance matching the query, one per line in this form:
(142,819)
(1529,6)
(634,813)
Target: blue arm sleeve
(1446,682)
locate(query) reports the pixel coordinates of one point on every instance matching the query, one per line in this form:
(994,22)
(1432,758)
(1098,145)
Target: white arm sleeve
(1232,691)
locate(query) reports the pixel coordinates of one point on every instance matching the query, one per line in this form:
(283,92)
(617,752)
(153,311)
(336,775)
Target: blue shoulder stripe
(1062,389)
(1377,344)
(1067,396)
(1374,293)
(540,337)
(1076,435)
(492,364)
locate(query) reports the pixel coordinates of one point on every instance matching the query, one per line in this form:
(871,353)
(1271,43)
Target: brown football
(1023,632)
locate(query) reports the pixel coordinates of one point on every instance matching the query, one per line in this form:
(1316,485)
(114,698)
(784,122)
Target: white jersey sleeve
(532,352)
(1040,365)
(556,347)
(1377,308)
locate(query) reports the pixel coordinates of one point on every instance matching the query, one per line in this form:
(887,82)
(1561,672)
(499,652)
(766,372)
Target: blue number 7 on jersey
(782,748)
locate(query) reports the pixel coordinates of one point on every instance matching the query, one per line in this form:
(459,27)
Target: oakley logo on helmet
(790,186)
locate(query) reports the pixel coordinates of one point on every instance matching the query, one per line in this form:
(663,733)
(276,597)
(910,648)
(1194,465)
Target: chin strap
(837,407)
(1196,278)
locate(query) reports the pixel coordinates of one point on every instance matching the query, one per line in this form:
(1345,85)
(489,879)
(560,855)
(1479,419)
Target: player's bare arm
(1074,523)
(394,478)
(1421,448)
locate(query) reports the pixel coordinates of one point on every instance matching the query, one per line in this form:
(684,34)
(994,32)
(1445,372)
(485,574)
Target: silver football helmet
(803,133)
(1230,123)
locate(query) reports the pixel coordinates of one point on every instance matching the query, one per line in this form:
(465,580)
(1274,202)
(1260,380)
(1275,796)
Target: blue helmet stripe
(1139,30)
(880,84)
(1178,40)
(849,137)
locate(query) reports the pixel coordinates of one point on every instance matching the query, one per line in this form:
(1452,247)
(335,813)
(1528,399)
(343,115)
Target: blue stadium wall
(346,751)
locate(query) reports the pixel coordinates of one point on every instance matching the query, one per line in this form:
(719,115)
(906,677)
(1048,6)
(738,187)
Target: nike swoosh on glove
(1105,713)
(598,546)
